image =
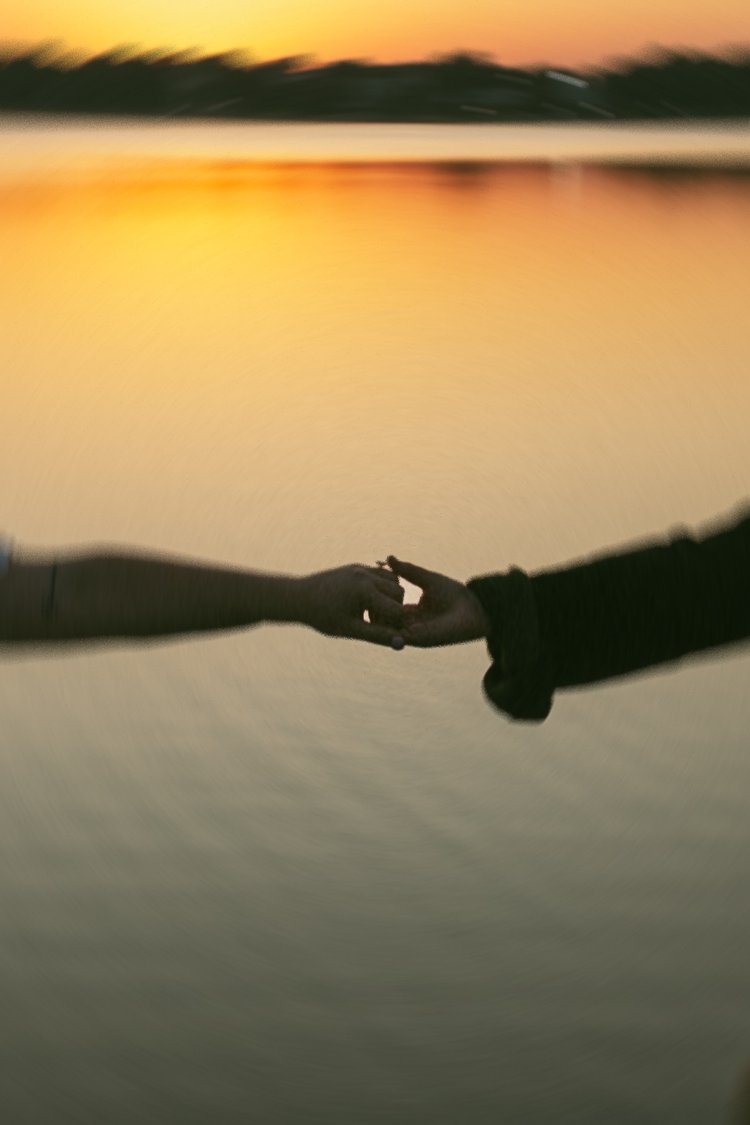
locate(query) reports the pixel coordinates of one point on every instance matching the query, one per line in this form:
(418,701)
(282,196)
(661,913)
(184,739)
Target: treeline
(458,87)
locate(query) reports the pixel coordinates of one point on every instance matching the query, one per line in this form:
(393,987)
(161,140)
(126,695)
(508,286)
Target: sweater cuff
(519,681)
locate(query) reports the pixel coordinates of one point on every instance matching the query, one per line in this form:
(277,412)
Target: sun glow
(521,33)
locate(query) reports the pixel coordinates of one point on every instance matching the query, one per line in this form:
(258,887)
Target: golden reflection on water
(537,340)
(294,367)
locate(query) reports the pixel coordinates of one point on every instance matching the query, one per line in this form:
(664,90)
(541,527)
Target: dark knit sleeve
(613,615)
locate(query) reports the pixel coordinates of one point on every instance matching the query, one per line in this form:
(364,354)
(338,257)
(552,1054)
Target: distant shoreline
(75,143)
(460,88)
(683,123)
(679,121)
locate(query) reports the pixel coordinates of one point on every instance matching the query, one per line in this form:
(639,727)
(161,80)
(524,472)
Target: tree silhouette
(130,80)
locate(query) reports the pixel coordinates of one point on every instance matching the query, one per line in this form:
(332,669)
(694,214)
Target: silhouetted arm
(105,594)
(613,615)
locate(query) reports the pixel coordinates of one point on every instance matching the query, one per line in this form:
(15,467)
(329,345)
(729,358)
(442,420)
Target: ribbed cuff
(519,680)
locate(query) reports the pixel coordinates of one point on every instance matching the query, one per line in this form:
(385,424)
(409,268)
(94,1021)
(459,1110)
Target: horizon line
(57,50)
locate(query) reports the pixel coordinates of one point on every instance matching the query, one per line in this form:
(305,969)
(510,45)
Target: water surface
(267,876)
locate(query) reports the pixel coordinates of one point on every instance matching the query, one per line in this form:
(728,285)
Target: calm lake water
(269,877)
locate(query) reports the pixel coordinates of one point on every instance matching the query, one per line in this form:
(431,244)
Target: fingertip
(375,633)
(399,567)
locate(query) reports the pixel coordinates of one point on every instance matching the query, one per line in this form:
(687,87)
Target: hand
(334,603)
(448,613)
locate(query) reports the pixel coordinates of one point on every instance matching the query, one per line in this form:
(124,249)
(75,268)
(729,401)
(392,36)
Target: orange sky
(516,32)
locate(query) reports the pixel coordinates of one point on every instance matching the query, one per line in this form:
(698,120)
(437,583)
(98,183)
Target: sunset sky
(516,32)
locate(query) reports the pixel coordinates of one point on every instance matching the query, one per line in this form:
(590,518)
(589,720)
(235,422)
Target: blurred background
(293,313)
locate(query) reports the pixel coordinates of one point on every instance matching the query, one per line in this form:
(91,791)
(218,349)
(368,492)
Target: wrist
(479,621)
(282,598)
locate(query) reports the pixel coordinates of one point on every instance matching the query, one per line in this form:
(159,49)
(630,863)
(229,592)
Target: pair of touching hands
(367,603)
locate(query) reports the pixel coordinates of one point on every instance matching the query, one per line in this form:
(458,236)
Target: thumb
(417,575)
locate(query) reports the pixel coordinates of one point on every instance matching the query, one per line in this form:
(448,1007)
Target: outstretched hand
(366,603)
(447,613)
(334,602)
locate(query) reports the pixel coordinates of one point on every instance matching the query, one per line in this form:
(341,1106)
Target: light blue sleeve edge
(6,549)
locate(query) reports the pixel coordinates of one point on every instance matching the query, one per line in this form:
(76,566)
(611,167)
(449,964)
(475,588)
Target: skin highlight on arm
(106,593)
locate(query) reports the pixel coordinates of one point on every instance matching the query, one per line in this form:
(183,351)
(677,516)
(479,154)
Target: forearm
(646,606)
(108,594)
(614,615)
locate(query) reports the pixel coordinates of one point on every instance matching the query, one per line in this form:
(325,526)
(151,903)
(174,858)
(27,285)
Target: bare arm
(105,593)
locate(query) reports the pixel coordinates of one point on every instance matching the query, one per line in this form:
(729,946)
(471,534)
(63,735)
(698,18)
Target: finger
(424,633)
(384,573)
(392,590)
(417,575)
(375,633)
(384,608)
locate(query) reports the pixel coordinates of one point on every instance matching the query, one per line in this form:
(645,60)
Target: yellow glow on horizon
(267,334)
(522,32)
